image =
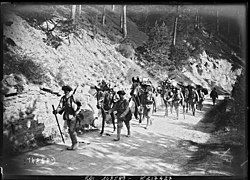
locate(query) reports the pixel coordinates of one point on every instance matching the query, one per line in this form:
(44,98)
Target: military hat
(121,92)
(192,85)
(177,87)
(67,88)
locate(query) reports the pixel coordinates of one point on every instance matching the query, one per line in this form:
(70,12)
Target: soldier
(69,107)
(147,103)
(214,95)
(123,114)
(193,98)
(177,100)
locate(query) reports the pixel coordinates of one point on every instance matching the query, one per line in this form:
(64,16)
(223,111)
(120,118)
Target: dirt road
(169,147)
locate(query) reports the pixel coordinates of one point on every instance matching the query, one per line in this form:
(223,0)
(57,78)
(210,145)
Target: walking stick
(58,125)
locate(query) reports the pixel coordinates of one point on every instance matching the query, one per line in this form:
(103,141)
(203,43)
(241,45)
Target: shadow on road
(165,149)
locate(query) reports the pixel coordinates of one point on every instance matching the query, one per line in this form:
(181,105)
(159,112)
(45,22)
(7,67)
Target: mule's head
(104,100)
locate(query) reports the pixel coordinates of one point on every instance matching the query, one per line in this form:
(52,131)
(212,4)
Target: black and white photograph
(153,91)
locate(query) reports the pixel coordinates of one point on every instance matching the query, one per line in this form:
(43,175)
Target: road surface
(169,147)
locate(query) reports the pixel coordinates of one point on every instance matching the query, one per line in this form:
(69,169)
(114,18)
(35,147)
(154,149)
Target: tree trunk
(175,29)
(121,21)
(197,19)
(200,21)
(217,21)
(175,26)
(104,15)
(124,21)
(73,13)
(80,10)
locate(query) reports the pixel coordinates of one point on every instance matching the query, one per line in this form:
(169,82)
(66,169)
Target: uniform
(123,114)
(177,100)
(214,95)
(69,108)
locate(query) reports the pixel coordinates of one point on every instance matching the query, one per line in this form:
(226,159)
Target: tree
(80,10)
(104,15)
(175,25)
(121,19)
(158,44)
(217,21)
(73,13)
(124,21)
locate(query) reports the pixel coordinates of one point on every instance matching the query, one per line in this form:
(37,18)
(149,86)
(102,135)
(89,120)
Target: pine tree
(73,13)
(158,44)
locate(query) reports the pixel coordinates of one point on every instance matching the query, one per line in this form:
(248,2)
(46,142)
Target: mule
(105,101)
(136,95)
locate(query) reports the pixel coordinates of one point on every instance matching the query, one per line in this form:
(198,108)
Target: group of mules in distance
(174,95)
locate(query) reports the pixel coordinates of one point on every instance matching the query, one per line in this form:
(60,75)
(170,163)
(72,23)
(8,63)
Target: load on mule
(135,94)
(105,100)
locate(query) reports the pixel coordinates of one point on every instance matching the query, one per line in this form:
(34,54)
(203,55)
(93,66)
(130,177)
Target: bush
(126,50)
(34,72)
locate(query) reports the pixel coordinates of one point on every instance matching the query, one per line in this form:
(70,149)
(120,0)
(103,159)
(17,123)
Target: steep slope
(36,60)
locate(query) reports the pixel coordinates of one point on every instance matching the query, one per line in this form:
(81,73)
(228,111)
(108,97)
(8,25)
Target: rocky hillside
(43,51)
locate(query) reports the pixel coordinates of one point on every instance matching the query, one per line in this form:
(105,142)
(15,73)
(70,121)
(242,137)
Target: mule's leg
(171,107)
(166,108)
(194,108)
(140,114)
(103,121)
(136,112)
(113,121)
(183,108)
(176,107)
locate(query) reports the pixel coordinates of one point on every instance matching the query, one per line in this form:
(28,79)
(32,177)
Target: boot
(128,131)
(118,134)
(75,144)
(147,123)
(73,147)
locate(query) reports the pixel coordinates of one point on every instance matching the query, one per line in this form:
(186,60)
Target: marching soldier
(69,107)
(177,100)
(214,95)
(123,114)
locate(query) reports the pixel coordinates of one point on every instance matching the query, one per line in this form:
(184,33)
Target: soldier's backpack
(122,107)
(193,95)
(168,94)
(201,95)
(149,97)
(177,96)
(71,109)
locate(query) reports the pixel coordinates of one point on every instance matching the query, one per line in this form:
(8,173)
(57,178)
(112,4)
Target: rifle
(75,90)
(58,125)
